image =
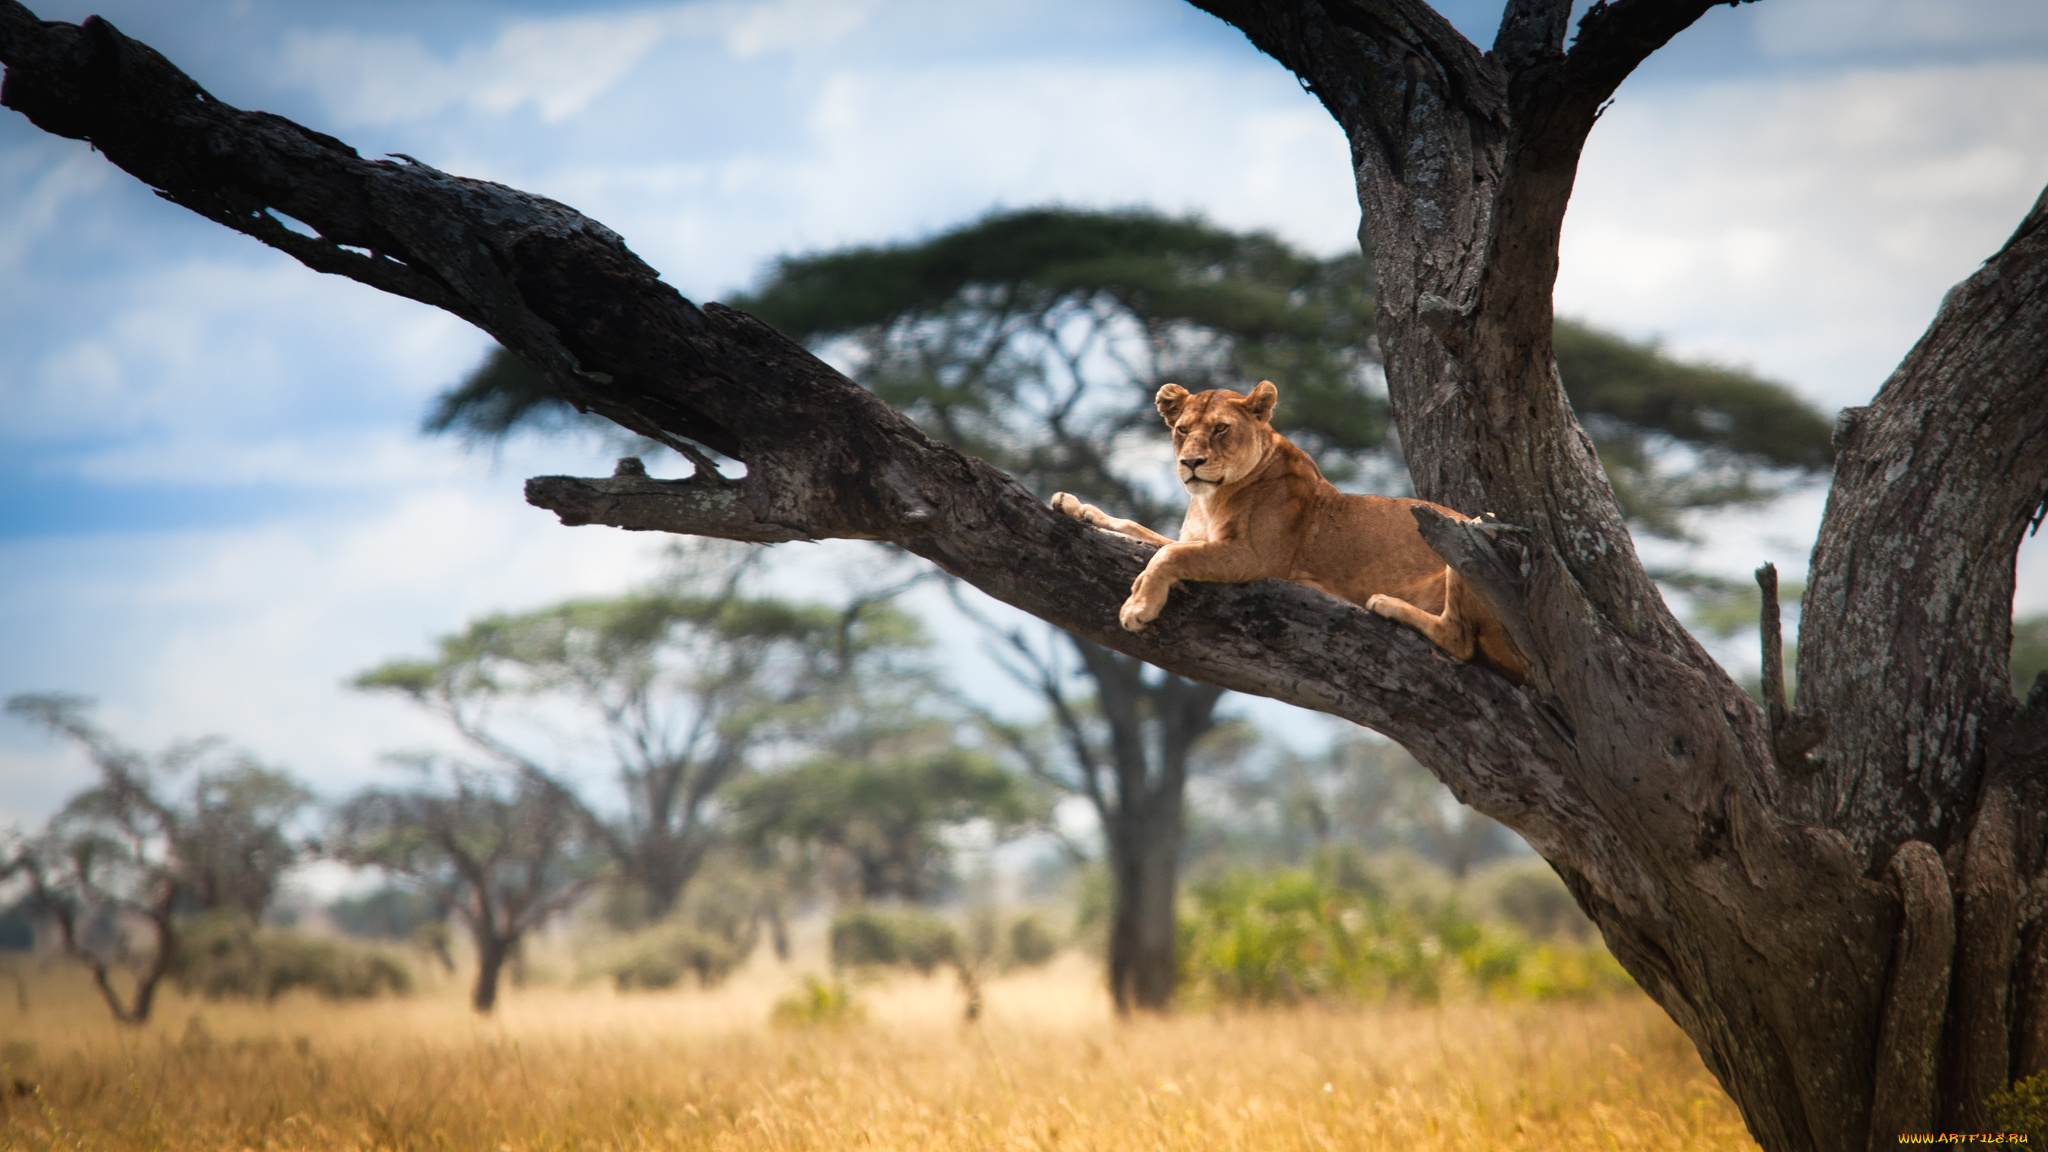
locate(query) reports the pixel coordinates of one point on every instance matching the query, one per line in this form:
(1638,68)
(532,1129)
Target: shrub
(1531,896)
(2021,1106)
(224,957)
(866,936)
(1295,935)
(659,957)
(387,913)
(818,1003)
(1031,942)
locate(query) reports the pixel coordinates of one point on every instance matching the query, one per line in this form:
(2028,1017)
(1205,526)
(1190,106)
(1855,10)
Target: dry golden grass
(1046,1068)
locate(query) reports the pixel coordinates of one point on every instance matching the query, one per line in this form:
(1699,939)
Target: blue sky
(213,504)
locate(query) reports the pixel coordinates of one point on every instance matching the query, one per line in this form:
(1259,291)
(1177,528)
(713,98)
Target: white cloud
(557,66)
(355,458)
(252,632)
(1808,28)
(904,152)
(1807,227)
(176,358)
(53,179)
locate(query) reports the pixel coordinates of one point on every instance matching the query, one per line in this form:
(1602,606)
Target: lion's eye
(1220,430)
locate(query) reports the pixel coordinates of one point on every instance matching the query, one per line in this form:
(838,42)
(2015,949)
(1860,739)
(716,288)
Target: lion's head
(1219,436)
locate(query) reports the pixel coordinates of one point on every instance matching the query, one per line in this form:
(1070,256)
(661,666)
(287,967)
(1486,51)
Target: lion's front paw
(1065,502)
(1138,611)
(1133,616)
(1378,604)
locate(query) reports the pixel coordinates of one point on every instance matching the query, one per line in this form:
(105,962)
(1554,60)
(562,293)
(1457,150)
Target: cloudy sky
(214,507)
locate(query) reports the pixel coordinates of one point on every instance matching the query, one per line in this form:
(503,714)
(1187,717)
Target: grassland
(1046,1067)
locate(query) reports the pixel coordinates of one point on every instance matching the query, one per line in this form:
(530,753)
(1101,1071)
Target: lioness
(1259,507)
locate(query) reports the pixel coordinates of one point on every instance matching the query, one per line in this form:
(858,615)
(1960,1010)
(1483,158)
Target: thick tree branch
(825,458)
(1908,613)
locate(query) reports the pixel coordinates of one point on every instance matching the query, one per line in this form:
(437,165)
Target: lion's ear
(1169,398)
(1260,402)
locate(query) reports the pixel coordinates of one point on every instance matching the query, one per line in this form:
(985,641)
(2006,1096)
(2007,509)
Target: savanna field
(1046,1066)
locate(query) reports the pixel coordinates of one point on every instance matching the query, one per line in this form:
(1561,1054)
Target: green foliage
(818,1004)
(867,935)
(119,867)
(500,395)
(504,855)
(1636,403)
(391,912)
(1282,808)
(681,684)
(199,822)
(1035,338)
(1529,895)
(710,934)
(1300,934)
(223,956)
(2029,652)
(1700,404)
(878,822)
(2021,1106)
(1031,941)
(661,956)
(1725,608)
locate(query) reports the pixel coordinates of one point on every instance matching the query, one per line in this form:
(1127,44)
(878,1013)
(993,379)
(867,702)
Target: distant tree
(506,854)
(878,825)
(124,862)
(1284,807)
(1036,339)
(1677,437)
(678,686)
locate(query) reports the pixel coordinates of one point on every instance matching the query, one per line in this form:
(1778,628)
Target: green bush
(661,956)
(866,935)
(708,935)
(1032,942)
(1295,935)
(2021,1106)
(224,957)
(818,1003)
(1530,895)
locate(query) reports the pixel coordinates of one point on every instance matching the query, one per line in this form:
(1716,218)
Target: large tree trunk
(1847,927)
(1154,725)
(492,952)
(1144,859)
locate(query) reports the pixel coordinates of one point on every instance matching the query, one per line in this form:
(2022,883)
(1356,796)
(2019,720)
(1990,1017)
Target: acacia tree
(505,855)
(1825,892)
(682,687)
(877,824)
(1360,791)
(1035,340)
(191,830)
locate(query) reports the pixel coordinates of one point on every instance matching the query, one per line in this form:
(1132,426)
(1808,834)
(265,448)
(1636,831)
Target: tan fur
(1259,508)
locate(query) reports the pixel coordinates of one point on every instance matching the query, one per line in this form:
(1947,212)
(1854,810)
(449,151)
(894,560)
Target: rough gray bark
(1757,902)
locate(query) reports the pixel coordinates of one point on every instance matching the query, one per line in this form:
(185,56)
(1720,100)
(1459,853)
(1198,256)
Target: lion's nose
(1192,462)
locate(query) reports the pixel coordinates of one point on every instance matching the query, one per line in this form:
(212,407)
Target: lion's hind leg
(1465,629)
(1095,517)
(1447,631)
